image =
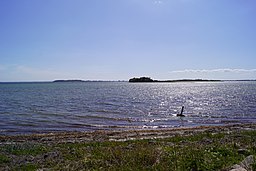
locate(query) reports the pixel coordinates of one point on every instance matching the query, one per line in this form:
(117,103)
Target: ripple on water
(30,107)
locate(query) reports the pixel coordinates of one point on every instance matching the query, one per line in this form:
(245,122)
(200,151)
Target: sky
(44,40)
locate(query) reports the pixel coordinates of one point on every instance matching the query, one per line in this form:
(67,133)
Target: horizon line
(78,80)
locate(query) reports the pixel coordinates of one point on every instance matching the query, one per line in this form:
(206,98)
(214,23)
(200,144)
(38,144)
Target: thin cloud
(26,73)
(223,73)
(34,71)
(2,68)
(158,2)
(225,70)
(39,73)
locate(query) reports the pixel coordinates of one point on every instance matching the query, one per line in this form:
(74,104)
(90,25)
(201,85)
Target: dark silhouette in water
(181,113)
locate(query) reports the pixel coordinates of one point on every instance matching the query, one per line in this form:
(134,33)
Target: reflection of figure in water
(181,113)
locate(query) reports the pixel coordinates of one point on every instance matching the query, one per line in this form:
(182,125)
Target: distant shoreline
(149,80)
(65,81)
(176,81)
(155,81)
(56,81)
(180,81)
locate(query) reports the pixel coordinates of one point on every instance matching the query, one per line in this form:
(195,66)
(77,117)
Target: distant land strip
(148,79)
(141,79)
(75,81)
(60,81)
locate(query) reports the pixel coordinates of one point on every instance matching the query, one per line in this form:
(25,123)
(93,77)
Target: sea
(44,107)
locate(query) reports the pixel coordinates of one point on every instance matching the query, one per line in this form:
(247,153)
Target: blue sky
(118,39)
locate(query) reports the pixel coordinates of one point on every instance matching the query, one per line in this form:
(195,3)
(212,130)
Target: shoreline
(118,135)
(199,148)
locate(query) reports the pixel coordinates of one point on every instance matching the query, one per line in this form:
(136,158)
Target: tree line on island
(148,79)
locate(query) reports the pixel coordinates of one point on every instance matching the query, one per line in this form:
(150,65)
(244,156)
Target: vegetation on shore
(148,79)
(201,151)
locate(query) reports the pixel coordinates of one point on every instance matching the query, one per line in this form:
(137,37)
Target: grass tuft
(24,149)
(4,159)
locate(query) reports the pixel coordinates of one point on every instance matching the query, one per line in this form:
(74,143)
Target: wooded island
(148,79)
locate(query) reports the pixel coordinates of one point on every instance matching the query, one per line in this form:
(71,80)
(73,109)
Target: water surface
(47,107)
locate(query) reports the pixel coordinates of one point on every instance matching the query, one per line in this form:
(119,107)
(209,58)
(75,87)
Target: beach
(103,135)
(110,150)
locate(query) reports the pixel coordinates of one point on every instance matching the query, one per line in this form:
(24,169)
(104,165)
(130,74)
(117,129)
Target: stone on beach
(245,165)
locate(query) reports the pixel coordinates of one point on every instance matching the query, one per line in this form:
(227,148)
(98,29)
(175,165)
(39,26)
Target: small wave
(100,117)
(107,104)
(24,124)
(107,111)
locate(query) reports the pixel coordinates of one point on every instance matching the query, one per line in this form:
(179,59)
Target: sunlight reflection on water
(44,107)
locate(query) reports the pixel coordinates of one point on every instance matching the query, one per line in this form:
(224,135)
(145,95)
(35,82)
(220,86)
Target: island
(148,79)
(141,79)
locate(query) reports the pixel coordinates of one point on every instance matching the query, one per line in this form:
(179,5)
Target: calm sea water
(48,107)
